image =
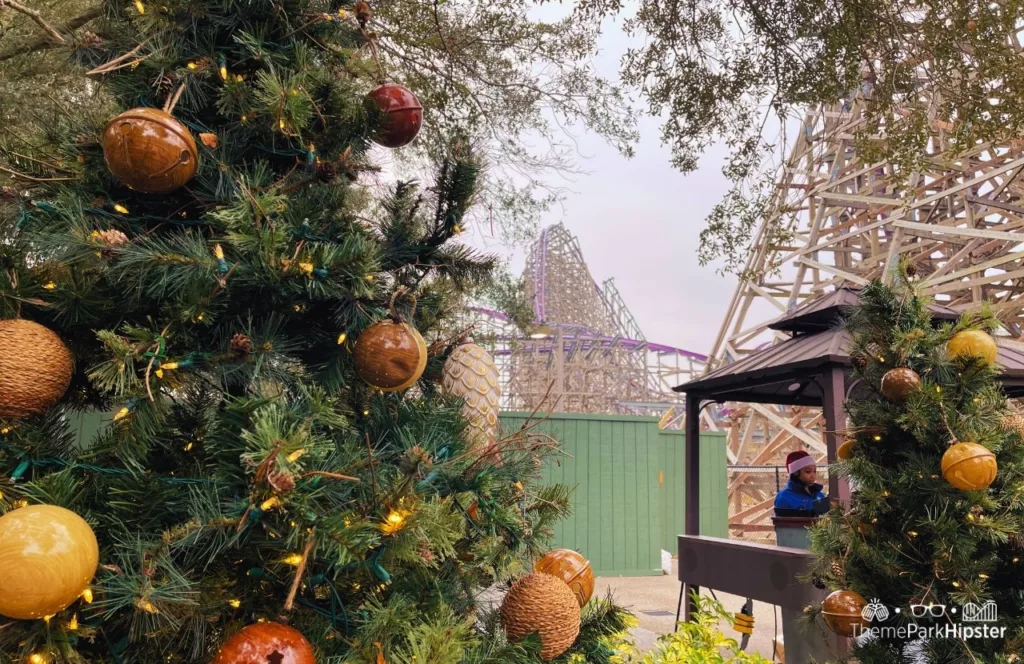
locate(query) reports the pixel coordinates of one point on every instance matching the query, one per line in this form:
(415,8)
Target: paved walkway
(653,600)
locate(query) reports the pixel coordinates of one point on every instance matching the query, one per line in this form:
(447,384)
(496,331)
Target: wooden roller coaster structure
(958,220)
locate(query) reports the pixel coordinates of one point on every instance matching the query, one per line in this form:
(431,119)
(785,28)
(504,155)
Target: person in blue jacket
(803,490)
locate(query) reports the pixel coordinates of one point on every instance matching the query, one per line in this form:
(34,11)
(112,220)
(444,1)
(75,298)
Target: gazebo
(811,368)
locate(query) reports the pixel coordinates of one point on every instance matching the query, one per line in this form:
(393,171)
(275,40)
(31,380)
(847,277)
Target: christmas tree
(284,476)
(935,456)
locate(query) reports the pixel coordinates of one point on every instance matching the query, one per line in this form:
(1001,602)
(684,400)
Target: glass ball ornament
(150,151)
(402,115)
(266,643)
(842,611)
(571,567)
(48,557)
(390,356)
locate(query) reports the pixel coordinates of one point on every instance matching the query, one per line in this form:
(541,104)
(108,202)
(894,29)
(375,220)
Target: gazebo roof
(790,372)
(824,312)
(786,373)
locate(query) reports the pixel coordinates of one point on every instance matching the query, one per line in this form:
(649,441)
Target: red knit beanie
(798,460)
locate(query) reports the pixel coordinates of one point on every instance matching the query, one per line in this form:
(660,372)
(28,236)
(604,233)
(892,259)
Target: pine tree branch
(34,15)
(45,43)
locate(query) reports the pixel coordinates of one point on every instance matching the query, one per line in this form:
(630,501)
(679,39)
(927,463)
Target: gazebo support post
(692,465)
(834,397)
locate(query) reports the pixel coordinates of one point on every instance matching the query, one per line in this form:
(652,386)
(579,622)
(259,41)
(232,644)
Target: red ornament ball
(402,111)
(266,643)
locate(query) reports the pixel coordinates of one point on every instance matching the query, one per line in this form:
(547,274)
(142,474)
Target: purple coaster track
(580,334)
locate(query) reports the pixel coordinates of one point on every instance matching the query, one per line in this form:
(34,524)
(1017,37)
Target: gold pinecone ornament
(470,373)
(542,604)
(35,368)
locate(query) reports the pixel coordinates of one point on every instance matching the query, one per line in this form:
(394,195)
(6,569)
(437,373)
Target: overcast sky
(638,220)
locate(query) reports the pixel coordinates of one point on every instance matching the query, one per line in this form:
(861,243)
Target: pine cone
(8,193)
(425,553)
(163,83)
(281,481)
(90,38)
(859,361)
(415,459)
(911,270)
(362,13)
(326,171)
(241,346)
(110,238)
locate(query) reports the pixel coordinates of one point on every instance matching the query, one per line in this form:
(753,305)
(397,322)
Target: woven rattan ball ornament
(842,612)
(898,384)
(571,567)
(48,557)
(150,151)
(390,356)
(542,604)
(402,115)
(35,368)
(470,373)
(969,466)
(973,343)
(266,643)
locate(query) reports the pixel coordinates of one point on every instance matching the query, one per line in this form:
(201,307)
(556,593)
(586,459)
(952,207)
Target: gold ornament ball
(35,368)
(842,612)
(150,151)
(390,356)
(973,343)
(969,466)
(572,568)
(48,556)
(470,373)
(845,451)
(542,604)
(898,384)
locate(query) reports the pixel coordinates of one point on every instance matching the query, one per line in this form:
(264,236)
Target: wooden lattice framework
(957,220)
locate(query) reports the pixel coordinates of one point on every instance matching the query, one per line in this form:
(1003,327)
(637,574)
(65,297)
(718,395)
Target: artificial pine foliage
(909,536)
(248,474)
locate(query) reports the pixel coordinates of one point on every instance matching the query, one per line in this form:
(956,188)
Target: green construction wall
(630,484)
